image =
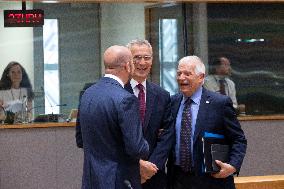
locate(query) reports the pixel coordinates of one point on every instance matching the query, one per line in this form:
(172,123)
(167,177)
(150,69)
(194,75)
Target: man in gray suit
(111,128)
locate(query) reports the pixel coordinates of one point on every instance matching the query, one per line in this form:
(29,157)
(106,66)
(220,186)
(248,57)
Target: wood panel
(263,117)
(260,182)
(37,125)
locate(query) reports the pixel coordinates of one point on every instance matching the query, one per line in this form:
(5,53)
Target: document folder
(214,148)
(219,152)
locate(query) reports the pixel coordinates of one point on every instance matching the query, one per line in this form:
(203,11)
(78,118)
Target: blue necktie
(185,137)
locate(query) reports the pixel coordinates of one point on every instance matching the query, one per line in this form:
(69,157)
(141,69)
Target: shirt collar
(115,78)
(134,83)
(195,97)
(220,77)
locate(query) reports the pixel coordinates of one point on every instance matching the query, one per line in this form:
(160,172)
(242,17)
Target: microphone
(48,99)
(48,117)
(49,102)
(128,184)
(35,107)
(61,105)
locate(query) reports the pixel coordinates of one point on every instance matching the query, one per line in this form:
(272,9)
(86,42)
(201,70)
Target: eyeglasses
(138,58)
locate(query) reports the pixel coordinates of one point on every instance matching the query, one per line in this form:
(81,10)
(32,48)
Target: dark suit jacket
(216,115)
(78,134)
(112,136)
(158,116)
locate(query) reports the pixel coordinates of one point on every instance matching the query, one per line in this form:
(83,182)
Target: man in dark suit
(111,127)
(197,111)
(158,126)
(78,133)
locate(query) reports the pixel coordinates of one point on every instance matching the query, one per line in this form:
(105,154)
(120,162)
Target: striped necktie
(142,103)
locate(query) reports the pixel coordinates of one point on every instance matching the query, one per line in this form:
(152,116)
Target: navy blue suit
(112,136)
(158,116)
(216,115)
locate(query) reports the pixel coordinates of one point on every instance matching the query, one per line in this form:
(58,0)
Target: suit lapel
(176,100)
(150,99)
(128,87)
(203,110)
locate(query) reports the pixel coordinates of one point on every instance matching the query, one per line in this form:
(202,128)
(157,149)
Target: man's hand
(226,170)
(160,132)
(147,170)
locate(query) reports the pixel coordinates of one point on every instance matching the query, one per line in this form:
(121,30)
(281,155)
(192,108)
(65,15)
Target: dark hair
(6,83)
(86,86)
(214,64)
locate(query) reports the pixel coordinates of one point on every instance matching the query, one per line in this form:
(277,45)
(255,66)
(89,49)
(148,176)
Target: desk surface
(260,182)
(260,117)
(37,125)
(72,124)
(254,179)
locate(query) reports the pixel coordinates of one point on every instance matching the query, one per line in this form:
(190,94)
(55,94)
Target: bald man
(111,128)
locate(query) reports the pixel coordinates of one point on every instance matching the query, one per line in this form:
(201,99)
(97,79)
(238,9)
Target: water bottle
(25,113)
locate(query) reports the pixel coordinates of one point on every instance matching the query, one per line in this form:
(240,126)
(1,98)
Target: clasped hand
(147,170)
(225,171)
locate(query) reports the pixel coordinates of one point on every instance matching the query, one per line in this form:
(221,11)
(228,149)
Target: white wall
(120,23)
(16,44)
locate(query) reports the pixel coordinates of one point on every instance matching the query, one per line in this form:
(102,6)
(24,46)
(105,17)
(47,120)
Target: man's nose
(181,77)
(142,62)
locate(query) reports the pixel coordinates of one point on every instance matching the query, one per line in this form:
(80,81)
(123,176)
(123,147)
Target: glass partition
(250,35)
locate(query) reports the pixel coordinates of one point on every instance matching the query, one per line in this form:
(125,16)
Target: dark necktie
(185,137)
(222,86)
(142,103)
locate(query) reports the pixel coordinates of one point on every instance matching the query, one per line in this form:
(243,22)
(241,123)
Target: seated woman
(16,92)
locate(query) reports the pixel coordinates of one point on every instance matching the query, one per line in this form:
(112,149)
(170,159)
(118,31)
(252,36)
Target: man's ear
(128,68)
(202,76)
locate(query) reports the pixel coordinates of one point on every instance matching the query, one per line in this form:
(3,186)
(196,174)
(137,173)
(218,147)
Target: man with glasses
(155,113)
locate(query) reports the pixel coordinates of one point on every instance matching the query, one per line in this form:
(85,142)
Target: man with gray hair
(155,113)
(197,112)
